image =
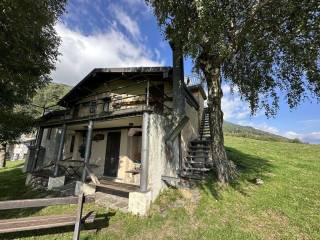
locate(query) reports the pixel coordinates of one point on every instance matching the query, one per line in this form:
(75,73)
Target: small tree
(261,47)
(28,51)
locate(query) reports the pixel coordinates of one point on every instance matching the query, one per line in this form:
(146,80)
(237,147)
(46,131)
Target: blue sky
(123,33)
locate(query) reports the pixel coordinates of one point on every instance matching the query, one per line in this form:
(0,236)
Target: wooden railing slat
(40,202)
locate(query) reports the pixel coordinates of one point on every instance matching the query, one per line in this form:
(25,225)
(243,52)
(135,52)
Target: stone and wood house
(126,133)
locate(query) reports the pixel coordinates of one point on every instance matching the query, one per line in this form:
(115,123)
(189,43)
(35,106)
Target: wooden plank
(77,226)
(40,202)
(34,223)
(93,177)
(176,130)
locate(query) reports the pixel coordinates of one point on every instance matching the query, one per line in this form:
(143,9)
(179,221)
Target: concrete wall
(130,147)
(191,129)
(51,145)
(198,96)
(158,163)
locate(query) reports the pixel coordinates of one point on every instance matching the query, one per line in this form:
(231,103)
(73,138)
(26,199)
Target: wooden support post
(88,150)
(77,226)
(148,93)
(60,151)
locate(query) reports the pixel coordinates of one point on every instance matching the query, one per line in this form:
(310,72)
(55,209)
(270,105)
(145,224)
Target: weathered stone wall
(191,129)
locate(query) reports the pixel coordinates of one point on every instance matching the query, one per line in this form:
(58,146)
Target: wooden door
(112,154)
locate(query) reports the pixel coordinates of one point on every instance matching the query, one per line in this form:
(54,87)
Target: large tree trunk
(225,168)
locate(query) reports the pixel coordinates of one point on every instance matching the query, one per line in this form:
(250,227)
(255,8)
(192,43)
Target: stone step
(115,188)
(195,165)
(111,201)
(192,157)
(198,169)
(200,147)
(199,141)
(198,153)
(205,133)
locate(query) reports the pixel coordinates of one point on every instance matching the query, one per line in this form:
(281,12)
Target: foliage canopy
(28,51)
(263,47)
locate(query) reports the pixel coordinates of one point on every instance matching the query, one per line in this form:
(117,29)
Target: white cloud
(82,53)
(127,22)
(139,6)
(311,137)
(310,124)
(232,106)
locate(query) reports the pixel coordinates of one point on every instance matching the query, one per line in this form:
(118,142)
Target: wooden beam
(40,222)
(93,177)
(176,130)
(40,202)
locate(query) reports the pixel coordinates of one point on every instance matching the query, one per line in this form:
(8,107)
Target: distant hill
(232,129)
(49,97)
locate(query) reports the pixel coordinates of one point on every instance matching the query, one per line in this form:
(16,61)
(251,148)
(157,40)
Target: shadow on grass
(101,221)
(248,168)
(13,187)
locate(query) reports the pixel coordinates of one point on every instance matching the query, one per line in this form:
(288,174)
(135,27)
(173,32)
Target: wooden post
(148,93)
(77,226)
(60,151)
(88,150)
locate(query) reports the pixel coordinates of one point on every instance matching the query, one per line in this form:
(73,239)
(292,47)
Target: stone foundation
(85,188)
(36,182)
(56,182)
(139,202)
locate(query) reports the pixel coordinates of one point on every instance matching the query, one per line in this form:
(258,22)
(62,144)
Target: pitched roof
(100,75)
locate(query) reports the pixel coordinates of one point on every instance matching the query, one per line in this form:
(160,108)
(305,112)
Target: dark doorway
(112,154)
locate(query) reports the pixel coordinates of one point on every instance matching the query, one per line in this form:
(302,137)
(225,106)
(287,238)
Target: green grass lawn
(286,206)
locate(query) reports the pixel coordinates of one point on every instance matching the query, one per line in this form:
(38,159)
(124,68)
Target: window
(72,143)
(49,133)
(93,106)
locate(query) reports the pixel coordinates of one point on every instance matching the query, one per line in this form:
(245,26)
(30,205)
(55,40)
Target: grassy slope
(286,206)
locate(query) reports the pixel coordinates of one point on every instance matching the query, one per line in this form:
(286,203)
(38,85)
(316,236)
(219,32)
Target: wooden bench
(44,222)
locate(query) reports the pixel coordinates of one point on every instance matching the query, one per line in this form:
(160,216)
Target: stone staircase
(197,163)
(204,131)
